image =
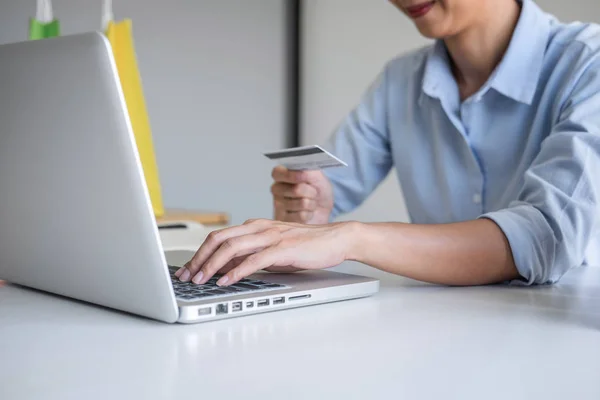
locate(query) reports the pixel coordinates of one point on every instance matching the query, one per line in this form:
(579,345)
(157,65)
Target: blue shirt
(524,151)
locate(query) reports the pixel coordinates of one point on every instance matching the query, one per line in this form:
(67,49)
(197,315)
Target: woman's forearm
(465,253)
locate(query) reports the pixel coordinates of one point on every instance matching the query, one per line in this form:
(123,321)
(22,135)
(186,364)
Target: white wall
(573,10)
(346,43)
(214,74)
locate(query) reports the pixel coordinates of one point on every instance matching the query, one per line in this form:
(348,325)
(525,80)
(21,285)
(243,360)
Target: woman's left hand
(275,246)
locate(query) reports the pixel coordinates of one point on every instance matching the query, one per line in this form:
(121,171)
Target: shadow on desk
(575,299)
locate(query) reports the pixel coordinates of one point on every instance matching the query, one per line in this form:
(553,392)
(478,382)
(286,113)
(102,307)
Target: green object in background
(41,30)
(43,25)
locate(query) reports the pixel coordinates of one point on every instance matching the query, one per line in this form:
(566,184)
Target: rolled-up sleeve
(555,217)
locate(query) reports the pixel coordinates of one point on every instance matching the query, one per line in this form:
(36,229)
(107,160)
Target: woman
(494,132)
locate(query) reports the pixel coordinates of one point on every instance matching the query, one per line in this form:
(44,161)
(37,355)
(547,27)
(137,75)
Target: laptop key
(229,289)
(210,288)
(216,291)
(247,286)
(241,288)
(200,295)
(203,287)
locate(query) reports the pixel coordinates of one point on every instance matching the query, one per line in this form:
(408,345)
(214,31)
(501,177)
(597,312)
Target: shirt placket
(477,172)
(462,115)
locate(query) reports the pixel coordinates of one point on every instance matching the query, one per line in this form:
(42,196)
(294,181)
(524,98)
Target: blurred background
(220,87)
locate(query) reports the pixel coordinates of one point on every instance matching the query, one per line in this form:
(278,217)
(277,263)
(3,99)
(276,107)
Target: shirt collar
(518,73)
(438,80)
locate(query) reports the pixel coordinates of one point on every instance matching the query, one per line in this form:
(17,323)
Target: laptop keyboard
(189,291)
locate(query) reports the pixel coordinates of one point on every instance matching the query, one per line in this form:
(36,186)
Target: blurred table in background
(183,231)
(206,218)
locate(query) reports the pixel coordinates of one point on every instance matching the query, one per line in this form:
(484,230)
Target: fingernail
(198,278)
(179,272)
(185,276)
(223,280)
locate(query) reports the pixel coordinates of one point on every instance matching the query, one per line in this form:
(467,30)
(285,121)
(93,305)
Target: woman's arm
(466,253)
(469,253)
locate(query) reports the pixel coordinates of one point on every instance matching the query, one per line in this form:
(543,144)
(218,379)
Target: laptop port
(204,311)
(237,306)
(262,303)
(301,297)
(279,300)
(250,304)
(222,309)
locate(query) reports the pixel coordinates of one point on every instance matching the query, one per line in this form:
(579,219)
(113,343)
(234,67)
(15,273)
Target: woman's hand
(276,246)
(301,196)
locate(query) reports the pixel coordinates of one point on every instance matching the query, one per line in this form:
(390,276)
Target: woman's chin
(431,30)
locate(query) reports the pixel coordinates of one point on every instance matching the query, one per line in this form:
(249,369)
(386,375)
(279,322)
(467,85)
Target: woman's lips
(420,10)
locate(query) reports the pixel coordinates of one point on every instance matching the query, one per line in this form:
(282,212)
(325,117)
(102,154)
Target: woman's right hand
(301,196)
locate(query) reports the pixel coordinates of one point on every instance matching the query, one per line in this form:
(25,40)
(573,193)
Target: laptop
(75,212)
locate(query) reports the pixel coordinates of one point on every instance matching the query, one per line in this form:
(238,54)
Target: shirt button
(477,198)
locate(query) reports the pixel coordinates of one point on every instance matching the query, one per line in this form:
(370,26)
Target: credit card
(305,158)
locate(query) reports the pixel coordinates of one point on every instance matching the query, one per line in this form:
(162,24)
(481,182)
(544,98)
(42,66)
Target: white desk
(411,341)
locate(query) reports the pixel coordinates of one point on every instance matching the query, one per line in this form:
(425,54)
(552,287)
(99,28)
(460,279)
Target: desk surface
(411,341)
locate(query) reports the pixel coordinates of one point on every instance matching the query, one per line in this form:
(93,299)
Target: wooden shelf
(202,217)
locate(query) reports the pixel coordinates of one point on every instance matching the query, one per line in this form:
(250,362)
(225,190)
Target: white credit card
(305,158)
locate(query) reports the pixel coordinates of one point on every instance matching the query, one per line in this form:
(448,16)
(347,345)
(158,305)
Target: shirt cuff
(531,241)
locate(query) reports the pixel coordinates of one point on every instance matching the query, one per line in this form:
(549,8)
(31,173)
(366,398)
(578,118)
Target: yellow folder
(120,36)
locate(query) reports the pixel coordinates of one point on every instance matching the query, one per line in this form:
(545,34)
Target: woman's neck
(476,51)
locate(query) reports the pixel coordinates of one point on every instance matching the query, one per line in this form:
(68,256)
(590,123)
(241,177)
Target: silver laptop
(75,213)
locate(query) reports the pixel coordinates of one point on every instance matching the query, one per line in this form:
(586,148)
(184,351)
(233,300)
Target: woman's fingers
(297,191)
(253,263)
(228,267)
(283,175)
(236,247)
(231,265)
(214,240)
(295,205)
